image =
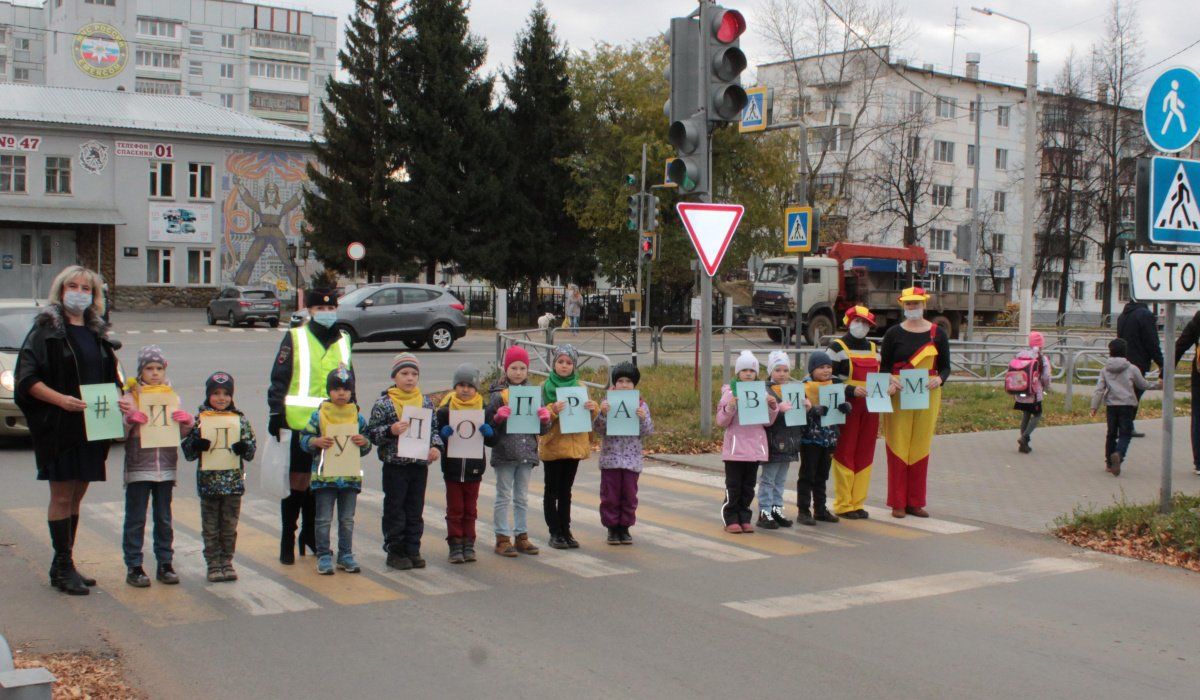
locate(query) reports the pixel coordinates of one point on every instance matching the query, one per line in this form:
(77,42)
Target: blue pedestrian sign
(797,235)
(1172,112)
(1174,215)
(754,116)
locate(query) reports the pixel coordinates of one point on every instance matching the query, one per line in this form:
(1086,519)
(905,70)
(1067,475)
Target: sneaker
(572,543)
(557,542)
(417,561)
(1114,463)
(1023,446)
(399,562)
(747,528)
(325,565)
(626,538)
(766,522)
(779,518)
(733,528)
(825,516)
(348,564)
(1137,434)
(166,574)
(805,518)
(613,536)
(216,574)
(1196,471)
(229,572)
(136,577)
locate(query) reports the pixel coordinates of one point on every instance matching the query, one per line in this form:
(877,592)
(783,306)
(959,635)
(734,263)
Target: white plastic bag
(274,479)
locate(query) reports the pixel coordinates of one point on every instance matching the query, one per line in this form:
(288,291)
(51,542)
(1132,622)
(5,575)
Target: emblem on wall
(100,51)
(93,156)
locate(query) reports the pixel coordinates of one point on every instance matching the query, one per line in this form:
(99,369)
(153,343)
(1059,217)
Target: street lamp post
(1026,317)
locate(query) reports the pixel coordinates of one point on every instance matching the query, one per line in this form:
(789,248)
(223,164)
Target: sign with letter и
(1174,217)
(1164,276)
(797,234)
(1171,116)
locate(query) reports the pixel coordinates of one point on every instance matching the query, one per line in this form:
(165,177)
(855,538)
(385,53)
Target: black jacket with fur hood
(47,356)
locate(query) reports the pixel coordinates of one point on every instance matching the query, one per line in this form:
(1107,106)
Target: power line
(1160,62)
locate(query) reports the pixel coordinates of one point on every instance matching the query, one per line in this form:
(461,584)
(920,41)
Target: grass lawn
(1139,531)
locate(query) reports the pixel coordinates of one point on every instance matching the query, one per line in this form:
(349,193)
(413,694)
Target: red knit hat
(515,354)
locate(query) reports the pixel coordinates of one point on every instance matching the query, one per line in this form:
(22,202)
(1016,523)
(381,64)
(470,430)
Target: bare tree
(900,181)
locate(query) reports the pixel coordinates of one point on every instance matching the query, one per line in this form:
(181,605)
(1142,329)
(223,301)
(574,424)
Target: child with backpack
(1027,379)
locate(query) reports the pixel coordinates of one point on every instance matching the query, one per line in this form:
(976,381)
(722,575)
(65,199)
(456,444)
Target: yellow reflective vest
(311,365)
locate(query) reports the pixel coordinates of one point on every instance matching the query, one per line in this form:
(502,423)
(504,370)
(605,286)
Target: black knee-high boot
(289,509)
(87,580)
(62,570)
(308,522)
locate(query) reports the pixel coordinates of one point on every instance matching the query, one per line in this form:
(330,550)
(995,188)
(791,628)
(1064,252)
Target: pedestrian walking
(743,449)
(783,448)
(514,455)
(220,490)
(1190,340)
(1119,389)
(913,344)
(573,307)
(818,441)
(621,460)
(67,347)
(1138,327)
(560,452)
(462,474)
(404,479)
(1030,370)
(149,475)
(854,357)
(305,358)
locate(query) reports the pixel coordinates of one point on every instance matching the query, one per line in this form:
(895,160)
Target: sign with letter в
(797,235)
(752,403)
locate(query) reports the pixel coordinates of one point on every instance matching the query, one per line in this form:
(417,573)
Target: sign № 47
(9,142)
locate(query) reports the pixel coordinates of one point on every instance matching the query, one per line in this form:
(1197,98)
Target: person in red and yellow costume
(913,344)
(854,357)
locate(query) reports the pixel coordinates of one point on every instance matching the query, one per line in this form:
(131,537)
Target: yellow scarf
(457,404)
(401,398)
(331,413)
(812,390)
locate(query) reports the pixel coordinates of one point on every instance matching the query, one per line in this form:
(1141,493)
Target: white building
(266,61)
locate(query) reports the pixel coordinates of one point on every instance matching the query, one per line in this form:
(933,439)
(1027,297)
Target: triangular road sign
(711,227)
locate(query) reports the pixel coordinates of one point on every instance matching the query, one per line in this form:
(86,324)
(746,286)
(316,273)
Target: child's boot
(523,545)
(228,573)
(623,533)
(1114,464)
(468,549)
(613,536)
(778,516)
(804,517)
(166,574)
(456,551)
(822,514)
(765,521)
(216,572)
(504,546)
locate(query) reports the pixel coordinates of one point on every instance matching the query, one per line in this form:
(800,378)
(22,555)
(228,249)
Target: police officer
(306,357)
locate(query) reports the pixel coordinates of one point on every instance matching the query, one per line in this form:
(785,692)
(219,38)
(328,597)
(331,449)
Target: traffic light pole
(706,303)
(643,218)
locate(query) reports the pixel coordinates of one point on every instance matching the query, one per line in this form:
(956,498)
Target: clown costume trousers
(853,457)
(908,435)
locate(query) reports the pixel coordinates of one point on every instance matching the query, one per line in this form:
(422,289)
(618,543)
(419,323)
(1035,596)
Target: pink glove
(785,407)
(502,414)
(182,417)
(136,417)
(544,414)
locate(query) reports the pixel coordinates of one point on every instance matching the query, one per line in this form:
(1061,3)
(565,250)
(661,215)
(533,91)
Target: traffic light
(723,62)
(689,136)
(688,131)
(649,213)
(649,247)
(634,212)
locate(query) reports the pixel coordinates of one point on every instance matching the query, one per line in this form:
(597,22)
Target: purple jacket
(743,443)
(622,451)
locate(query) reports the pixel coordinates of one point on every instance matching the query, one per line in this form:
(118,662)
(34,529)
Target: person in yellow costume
(854,357)
(913,344)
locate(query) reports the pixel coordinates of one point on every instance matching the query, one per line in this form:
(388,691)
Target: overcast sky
(1167,26)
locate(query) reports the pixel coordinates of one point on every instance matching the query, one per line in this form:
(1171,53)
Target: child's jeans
(771,483)
(1120,429)
(137,497)
(346,500)
(512,492)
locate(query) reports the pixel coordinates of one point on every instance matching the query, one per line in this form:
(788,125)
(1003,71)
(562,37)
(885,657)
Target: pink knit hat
(1036,340)
(515,354)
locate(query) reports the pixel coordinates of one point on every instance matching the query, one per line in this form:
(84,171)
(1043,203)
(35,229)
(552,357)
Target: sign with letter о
(467,441)
(414,442)
(221,429)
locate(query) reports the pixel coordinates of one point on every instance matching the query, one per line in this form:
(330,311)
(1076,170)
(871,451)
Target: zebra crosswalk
(677,527)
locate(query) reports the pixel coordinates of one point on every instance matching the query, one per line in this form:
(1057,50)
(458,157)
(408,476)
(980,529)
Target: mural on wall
(261,214)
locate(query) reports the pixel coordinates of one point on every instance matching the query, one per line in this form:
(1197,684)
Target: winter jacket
(553,444)
(460,469)
(1139,328)
(313,430)
(509,448)
(1187,341)
(783,441)
(814,432)
(622,451)
(149,463)
(47,356)
(1040,394)
(223,482)
(379,432)
(1118,384)
(743,443)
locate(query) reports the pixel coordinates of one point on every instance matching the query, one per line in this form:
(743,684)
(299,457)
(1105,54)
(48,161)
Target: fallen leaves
(1136,545)
(82,676)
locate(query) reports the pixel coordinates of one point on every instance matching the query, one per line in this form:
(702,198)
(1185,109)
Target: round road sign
(356,251)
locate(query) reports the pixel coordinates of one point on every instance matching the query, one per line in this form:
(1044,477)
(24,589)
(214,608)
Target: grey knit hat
(568,350)
(148,354)
(468,374)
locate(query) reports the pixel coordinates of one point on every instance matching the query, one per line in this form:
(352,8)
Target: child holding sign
(745,442)
(621,451)
(820,437)
(150,471)
(220,490)
(783,444)
(567,442)
(403,478)
(465,433)
(515,452)
(336,431)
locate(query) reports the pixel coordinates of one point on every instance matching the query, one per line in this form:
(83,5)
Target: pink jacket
(743,443)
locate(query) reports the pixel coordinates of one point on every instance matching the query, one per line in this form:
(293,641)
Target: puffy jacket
(622,451)
(516,448)
(554,445)
(149,463)
(743,443)
(221,482)
(1119,382)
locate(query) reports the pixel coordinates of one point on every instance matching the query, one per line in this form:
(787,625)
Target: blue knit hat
(818,359)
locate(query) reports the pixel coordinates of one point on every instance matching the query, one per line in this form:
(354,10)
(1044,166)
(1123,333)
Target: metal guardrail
(617,336)
(541,360)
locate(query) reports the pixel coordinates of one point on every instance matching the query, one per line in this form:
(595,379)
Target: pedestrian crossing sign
(1174,213)
(754,116)
(798,236)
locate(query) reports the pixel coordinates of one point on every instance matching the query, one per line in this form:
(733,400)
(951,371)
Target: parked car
(15,323)
(238,305)
(415,314)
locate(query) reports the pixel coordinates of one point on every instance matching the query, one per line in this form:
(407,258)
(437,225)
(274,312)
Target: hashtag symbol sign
(101,406)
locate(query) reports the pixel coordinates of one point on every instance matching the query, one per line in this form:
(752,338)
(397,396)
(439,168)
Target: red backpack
(1024,375)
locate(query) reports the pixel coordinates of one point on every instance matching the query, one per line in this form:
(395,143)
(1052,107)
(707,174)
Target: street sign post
(798,238)
(754,116)
(711,228)
(1171,115)
(356,251)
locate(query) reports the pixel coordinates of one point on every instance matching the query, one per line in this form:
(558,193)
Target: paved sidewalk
(981,476)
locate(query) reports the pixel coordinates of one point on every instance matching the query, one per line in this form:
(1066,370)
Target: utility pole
(976,222)
(802,195)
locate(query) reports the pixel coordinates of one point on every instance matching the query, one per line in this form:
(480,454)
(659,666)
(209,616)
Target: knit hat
(777,358)
(218,380)
(466,373)
(320,297)
(405,359)
(818,359)
(1036,340)
(340,378)
(1118,347)
(515,354)
(148,354)
(568,350)
(746,360)
(627,370)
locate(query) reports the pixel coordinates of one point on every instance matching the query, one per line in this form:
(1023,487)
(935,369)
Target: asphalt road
(947,607)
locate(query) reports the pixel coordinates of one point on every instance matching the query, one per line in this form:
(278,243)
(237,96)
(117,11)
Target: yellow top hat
(914,294)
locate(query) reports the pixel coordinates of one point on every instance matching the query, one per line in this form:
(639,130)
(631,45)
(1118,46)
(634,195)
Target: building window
(1001,159)
(227,41)
(997,242)
(1122,289)
(46,250)
(939,239)
(26,249)
(158,266)
(973,109)
(196,93)
(945,107)
(200,266)
(227,70)
(159,28)
(279,71)
(969,200)
(22,44)
(200,180)
(147,86)
(196,38)
(1002,115)
(108,3)
(1051,286)
(195,68)
(914,146)
(999,201)
(58,175)
(227,101)
(1127,209)
(157,60)
(942,194)
(20,75)
(970,154)
(162,179)
(320,53)
(279,102)
(281,42)
(1099,293)
(1078,289)
(943,151)
(12,174)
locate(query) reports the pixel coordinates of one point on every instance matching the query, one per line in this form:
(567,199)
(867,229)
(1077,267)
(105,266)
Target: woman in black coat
(67,347)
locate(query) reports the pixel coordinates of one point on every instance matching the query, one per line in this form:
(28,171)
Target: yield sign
(711,228)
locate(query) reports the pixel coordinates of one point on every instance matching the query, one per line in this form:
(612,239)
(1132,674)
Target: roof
(60,215)
(136,112)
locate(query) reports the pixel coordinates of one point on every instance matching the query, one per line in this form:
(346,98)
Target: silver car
(415,314)
(238,305)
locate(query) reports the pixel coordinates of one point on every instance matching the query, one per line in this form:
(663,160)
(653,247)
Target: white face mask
(914,314)
(76,302)
(859,329)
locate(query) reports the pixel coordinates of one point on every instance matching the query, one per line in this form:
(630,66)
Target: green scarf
(553,382)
